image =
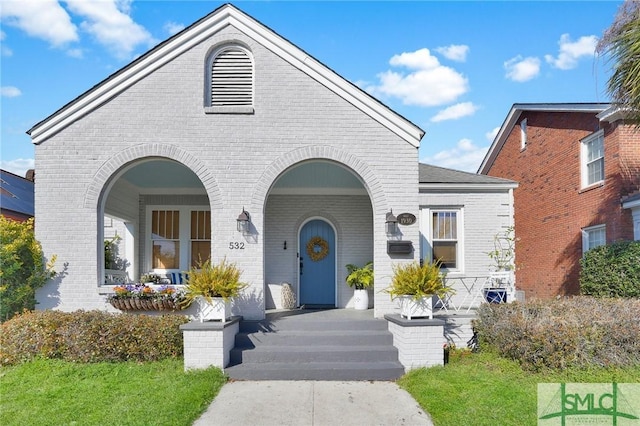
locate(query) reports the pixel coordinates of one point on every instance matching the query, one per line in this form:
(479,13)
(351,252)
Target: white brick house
(176,148)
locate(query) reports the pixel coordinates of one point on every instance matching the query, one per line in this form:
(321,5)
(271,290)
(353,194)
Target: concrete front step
(296,324)
(316,371)
(334,337)
(321,345)
(315,353)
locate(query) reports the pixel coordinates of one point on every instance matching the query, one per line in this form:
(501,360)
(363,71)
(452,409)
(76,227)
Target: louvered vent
(232,79)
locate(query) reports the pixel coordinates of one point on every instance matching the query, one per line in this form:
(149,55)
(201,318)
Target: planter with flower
(414,285)
(213,287)
(141,297)
(361,278)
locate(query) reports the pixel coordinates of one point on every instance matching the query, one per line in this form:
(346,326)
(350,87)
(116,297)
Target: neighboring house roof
(514,116)
(16,194)
(440,177)
(196,33)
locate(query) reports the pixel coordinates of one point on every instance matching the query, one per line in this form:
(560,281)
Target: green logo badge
(563,404)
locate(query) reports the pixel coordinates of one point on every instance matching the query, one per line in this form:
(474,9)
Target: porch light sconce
(244,222)
(391,224)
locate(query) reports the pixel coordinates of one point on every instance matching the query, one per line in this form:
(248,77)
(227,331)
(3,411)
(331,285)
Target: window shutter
(232,79)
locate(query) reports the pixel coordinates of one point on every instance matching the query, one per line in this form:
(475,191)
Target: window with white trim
(230,80)
(592,159)
(593,236)
(445,238)
(179,237)
(200,236)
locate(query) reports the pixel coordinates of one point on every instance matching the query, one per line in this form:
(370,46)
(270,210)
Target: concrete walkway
(301,403)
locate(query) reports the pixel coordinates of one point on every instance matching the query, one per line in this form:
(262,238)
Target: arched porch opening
(154,216)
(333,198)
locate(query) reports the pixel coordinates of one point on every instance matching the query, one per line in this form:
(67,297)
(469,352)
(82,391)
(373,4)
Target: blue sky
(452,68)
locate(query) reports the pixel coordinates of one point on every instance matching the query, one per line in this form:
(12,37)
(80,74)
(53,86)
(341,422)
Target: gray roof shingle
(435,174)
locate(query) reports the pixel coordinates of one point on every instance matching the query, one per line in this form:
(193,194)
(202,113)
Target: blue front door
(317,264)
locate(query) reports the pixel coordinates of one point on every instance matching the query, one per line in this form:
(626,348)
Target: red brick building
(578,169)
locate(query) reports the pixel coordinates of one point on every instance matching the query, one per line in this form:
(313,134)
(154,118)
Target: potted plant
(414,285)
(212,287)
(360,278)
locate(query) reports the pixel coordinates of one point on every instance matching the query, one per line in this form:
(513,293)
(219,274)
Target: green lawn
(476,389)
(51,392)
(483,389)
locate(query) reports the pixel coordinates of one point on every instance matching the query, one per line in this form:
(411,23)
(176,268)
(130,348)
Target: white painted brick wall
(206,348)
(418,346)
(237,157)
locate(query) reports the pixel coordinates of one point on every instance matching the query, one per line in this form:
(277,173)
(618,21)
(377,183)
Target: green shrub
(612,270)
(578,332)
(90,336)
(23,268)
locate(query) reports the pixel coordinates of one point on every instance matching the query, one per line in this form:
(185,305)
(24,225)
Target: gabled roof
(514,116)
(16,193)
(196,33)
(434,176)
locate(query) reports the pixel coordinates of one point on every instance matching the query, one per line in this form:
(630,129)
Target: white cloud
(4,50)
(454,52)
(44,19)
(465,156)
(173,27)
(522,69)
(18,166)
(491,135)
(571,52)
(110,24)
(10,92)
(75,53)
(428,84)
(456,111)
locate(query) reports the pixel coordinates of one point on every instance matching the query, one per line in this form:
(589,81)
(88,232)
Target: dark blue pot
(495,295)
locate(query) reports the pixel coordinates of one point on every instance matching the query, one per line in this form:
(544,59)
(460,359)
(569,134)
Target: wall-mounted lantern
(244,222)
(391,224)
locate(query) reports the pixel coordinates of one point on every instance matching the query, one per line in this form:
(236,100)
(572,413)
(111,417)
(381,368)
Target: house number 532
(236,246)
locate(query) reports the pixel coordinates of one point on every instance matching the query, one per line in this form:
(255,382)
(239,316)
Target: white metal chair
(498,287)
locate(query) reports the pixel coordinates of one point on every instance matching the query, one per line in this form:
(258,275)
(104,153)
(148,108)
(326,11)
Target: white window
(442,230)
(178,237)
(523,134)
(593,236)
(230,80)
(592,159)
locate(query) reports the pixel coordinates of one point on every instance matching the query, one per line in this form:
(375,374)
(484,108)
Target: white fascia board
(299,59)
(514,114)
(175,47)
(468,186)
(500,139)
(631,204)
(129,76)
(614,113)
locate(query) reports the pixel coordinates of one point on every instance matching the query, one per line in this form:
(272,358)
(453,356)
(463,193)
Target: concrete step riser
(246,356)
(289,325)
(319,374)
(312,339)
